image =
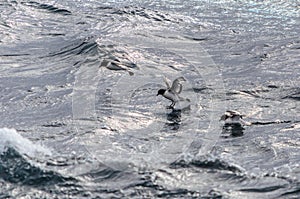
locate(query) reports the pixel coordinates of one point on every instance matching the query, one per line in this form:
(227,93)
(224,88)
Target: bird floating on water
(234,117)
(172,92)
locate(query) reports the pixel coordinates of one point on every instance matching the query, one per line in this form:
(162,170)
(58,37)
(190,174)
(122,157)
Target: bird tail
(245,122)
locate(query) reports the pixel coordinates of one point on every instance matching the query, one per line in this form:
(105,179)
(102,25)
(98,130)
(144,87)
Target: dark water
(79,80)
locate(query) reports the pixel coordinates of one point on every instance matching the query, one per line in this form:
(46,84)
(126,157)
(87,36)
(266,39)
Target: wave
(47,7)
(143,12)
(10,138)
(15,168)
(85,46)
(22,161)
(93,51)
(207,162)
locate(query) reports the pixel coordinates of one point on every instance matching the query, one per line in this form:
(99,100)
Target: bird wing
(168,82)
(177,85)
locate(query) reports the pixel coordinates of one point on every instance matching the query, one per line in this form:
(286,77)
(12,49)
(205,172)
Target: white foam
(11,138)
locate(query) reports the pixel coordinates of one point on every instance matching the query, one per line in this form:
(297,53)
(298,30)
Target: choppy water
(78,82)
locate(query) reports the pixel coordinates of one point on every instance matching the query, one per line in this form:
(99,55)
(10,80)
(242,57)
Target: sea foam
(10,138)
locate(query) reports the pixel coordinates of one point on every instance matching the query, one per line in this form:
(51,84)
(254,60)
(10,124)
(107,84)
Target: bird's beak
(157,94)
(222,118)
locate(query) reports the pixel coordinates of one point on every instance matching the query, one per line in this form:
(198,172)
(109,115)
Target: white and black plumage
(172,92)
(234,117)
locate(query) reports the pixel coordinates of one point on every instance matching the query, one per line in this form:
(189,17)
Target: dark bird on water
(234,117)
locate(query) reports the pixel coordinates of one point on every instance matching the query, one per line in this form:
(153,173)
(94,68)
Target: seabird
(234,117)
(172,92)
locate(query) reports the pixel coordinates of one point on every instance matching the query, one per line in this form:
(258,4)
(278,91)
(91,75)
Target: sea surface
(79,115)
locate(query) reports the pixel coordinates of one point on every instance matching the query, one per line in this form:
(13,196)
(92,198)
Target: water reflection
(232,130)
(173,119)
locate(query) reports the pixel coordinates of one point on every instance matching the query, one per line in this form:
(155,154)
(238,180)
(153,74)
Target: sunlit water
(79,81)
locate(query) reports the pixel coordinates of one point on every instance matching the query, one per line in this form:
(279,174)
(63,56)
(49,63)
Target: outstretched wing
(168,82)
(177,85)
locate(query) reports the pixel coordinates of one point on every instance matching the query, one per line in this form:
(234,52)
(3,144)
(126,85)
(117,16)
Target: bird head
(161,92)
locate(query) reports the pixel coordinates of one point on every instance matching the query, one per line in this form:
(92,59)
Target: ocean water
(80,117)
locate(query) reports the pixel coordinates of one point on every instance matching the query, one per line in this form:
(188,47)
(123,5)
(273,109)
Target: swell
(90,50)
(205,162)
(77,47)
(143,12)
(47,7)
